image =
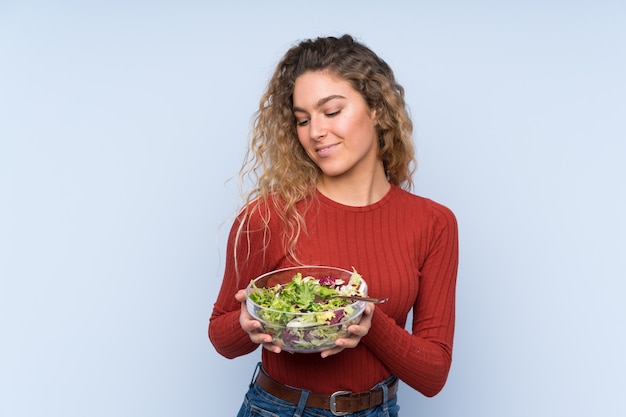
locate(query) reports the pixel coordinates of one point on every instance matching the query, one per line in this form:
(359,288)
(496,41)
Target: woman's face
(335,126)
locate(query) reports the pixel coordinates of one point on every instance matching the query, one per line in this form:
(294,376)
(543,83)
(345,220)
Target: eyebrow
(320,102)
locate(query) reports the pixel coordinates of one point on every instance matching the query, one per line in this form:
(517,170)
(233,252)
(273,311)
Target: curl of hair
(277,165)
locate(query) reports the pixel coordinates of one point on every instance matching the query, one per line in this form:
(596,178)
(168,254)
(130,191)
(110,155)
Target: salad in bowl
(300,306)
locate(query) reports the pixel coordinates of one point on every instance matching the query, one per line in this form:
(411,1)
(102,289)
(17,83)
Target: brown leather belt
(339,403)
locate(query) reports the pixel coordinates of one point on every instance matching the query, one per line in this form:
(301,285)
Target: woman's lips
(325,150)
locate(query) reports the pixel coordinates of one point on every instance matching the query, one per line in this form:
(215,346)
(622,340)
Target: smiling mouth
(325,150)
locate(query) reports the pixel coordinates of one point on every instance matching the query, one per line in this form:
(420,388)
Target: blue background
(122,125)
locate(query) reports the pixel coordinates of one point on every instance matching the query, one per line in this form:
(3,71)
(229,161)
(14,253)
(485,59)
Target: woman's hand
(357,331)
(253,327)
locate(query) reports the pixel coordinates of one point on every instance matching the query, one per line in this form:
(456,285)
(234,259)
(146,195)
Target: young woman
(331,160)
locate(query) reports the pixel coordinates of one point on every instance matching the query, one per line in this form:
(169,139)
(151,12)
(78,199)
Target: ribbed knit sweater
(404,246)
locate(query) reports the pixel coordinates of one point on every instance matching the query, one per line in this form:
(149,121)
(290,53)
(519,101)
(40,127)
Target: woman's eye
(302,122)
(333,114)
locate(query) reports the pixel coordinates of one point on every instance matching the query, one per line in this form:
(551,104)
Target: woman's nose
(317,129)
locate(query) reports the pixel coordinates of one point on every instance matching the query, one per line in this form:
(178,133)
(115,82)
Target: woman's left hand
(357,331)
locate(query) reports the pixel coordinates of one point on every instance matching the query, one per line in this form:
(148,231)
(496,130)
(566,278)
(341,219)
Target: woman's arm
(423,357)
(225,326)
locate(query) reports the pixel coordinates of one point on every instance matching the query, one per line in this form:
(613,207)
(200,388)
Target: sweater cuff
(380,331)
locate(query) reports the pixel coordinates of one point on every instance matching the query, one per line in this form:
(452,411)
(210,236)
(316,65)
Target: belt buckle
(333,403)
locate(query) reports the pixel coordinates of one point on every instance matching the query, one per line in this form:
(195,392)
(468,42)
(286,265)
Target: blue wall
(122,124)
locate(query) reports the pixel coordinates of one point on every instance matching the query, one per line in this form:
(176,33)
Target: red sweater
(405,247)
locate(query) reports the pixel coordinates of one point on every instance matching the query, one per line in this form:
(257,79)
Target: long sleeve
(423,357)
(250,252)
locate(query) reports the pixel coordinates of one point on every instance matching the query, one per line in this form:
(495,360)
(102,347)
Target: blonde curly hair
(277,165)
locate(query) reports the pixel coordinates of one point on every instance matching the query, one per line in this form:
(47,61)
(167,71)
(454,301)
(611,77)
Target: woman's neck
(356,192)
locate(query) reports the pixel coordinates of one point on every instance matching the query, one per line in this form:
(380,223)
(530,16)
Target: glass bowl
(299,330)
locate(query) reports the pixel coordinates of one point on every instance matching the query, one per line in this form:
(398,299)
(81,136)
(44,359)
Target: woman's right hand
(253,327)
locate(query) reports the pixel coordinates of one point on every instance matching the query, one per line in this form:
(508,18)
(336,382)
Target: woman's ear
(374,116)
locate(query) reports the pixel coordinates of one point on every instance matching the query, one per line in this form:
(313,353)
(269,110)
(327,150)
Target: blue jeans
(259,403)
